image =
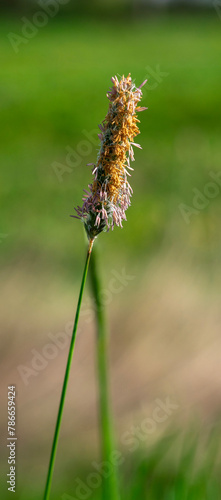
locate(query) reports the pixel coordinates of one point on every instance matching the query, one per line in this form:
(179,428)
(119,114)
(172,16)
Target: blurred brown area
(164,340)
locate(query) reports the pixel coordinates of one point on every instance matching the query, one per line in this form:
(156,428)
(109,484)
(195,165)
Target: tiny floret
(108,197)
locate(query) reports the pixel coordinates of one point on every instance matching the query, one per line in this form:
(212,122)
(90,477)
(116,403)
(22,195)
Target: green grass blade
(110,487)
(66,377)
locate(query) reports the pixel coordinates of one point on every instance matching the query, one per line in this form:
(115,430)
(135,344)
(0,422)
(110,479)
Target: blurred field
(165,325)
(55,87)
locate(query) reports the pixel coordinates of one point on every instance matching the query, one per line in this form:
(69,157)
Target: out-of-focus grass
(184,471)
(55,87)
(180,466)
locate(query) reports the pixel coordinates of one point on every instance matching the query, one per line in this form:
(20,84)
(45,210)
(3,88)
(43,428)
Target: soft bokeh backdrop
(164,309)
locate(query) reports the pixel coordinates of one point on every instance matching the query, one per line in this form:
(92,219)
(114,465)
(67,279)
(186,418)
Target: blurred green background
(165,317)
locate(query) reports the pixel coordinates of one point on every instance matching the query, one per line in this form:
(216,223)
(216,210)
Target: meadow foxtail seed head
(108,197)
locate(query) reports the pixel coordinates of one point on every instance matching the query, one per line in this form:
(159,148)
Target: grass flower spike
(109,195)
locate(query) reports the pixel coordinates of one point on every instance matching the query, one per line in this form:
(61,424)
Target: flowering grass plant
(104,206)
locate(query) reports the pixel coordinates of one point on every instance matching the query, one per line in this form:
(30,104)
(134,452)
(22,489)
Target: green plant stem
(67,372)
(110,490)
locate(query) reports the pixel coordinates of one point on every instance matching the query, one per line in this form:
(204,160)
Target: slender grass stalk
(110,486)
(66,377)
